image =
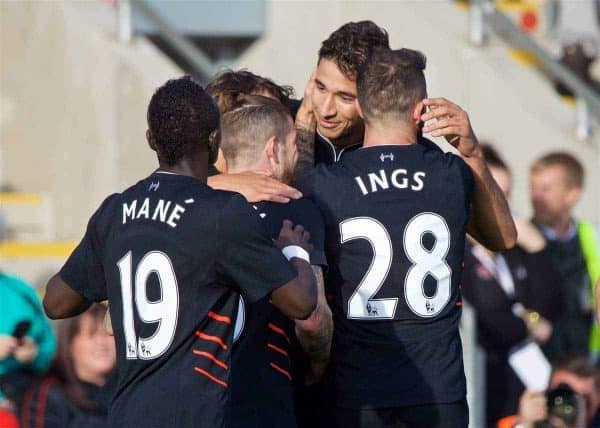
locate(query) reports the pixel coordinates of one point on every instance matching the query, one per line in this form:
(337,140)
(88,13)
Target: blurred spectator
(75,393)
(556,186)
(572,399)
(515,298)
(27,342)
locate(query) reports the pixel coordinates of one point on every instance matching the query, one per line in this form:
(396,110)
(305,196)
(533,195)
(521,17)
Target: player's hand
(452,123)
(26,351)
(293,236)
(255,187)
(305,117)
(532,408)
(8,344)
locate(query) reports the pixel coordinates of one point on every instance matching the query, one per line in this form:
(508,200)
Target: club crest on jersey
(389,156)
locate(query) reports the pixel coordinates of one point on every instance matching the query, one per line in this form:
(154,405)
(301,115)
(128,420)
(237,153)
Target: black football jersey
(166,253)
(395,219)
(266,355)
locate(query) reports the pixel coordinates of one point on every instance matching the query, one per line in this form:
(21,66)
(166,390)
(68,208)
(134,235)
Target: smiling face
(333,104)
(92,350)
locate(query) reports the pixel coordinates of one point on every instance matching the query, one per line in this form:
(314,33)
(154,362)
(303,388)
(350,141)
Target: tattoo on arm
(315,333)
(305,141)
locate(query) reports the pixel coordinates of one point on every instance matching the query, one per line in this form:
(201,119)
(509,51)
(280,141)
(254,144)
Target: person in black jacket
(75,393)
(515,296)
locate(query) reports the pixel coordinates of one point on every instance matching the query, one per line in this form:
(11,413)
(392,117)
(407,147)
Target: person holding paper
(572,399)
(516,300)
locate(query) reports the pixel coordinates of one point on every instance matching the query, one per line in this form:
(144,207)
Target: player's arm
(259,268)
(81,280)
(298,297)
(315,333)
(491,222)
(61,301)
(306,125)
(254,187)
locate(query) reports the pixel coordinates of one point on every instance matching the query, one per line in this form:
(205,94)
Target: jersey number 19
(163,311)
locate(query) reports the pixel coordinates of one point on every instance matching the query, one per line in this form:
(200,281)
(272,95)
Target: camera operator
(572,399)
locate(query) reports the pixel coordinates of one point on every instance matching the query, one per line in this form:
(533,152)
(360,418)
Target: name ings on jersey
(383,179)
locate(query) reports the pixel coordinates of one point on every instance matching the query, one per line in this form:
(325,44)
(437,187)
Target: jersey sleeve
(311,219)
(248,256)
(83,271)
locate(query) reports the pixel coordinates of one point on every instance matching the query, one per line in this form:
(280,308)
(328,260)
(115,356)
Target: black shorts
(451,415)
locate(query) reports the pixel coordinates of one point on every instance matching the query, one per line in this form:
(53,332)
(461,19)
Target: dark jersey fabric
(174,277)
(390,352)
(266,356)
(327,153)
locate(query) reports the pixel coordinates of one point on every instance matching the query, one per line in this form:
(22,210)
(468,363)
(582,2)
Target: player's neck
(382,134)
(353,137)
(190,167)
(260,168)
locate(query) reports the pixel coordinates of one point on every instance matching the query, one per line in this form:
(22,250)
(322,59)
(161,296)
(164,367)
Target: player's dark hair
(492,157)
(350,45)
(181,118)
(572,167)
(247,126)
(391,82)
(228,87)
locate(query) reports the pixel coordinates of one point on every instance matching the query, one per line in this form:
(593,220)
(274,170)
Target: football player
(257,134)
(167,254)
(396,214)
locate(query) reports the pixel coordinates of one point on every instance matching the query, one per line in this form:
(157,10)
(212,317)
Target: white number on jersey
(240,320)
(163,311)
(362,305)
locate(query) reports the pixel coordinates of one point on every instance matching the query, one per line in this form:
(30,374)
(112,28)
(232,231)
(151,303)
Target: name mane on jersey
(383,180)
(164,211)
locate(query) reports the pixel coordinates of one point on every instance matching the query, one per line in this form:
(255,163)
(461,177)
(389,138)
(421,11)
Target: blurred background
(76,78)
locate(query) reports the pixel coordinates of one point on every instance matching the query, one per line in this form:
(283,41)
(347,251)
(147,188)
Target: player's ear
(358,108)
(271,149)
(214,141)
(150,140)
(417,112)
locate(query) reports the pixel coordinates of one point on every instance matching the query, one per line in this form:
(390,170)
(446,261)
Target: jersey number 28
(425,262)
(163,311)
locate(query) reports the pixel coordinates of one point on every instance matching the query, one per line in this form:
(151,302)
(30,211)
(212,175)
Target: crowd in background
(541,292)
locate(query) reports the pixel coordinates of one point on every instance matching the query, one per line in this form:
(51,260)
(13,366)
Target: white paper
(531,366)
